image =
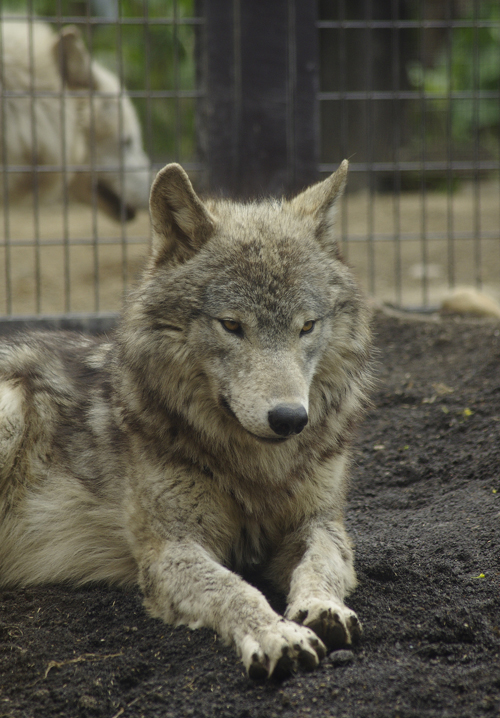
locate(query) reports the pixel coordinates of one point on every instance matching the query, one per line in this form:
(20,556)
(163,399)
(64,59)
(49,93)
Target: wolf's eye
(308,327)
(231,326)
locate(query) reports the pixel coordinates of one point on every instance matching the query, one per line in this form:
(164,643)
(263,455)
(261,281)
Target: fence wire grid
(408,90)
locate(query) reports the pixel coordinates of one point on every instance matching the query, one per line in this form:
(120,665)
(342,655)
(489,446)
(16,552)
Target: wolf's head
(111,128)
(246,313)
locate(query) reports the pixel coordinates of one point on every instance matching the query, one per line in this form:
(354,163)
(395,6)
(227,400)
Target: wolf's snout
(287,419)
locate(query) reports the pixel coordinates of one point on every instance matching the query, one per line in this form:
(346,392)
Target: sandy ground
(417,271)
(424,513)
(82,261)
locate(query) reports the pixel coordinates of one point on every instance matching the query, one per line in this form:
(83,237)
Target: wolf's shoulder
(51,356)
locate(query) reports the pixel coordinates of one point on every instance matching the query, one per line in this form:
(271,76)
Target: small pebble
(87,702)
(341,658)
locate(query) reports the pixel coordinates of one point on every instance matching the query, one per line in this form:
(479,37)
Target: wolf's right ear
(181,223)
(73,59)
(320,201)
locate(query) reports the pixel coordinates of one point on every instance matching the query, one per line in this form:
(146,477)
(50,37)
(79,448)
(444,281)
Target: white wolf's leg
(320,581)
(183,584)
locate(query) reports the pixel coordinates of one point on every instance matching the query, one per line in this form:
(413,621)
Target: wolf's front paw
(334,623)
(281,649)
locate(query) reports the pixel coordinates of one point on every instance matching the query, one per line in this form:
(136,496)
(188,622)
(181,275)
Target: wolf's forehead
(258,221)
(264,260)
(261,288)
(262,245)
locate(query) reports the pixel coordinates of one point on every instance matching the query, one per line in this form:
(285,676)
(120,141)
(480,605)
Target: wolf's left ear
(320,202)
(181,223)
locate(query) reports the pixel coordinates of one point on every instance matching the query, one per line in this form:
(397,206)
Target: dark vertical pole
(306,106)
(258,125)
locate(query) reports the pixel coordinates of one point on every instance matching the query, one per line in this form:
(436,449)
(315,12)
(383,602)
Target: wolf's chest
(253,546)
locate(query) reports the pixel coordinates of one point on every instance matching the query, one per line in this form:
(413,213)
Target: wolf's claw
(334,623)
(280,650)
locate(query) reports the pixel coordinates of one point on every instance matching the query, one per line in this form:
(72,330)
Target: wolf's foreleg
(184,584)
(320,581)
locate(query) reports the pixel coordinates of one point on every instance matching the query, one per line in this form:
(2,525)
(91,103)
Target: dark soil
(425,516)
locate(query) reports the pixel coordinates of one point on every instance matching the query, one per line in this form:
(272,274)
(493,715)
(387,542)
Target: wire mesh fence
(96,96)
(411,92)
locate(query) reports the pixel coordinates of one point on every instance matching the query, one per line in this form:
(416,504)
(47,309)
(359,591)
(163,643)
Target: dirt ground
(425,516)
(76,261)
(81,261)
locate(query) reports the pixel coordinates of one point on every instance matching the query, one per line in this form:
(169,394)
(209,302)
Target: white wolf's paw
(280,649)
(333,622)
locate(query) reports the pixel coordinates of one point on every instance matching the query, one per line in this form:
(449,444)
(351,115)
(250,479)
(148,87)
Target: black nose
(287,419)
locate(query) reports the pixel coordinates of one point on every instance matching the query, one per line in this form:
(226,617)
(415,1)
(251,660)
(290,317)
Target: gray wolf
(65,111)
(208,435)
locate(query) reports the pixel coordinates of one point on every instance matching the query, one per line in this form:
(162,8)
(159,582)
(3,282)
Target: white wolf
(60,109)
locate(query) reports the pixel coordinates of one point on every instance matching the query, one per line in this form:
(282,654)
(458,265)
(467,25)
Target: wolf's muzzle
(114,203)
(287,419)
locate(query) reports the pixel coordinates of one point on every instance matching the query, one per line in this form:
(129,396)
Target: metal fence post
(258,118)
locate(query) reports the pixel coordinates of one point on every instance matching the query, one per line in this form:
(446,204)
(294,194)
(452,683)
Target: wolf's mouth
(114,204)
(269,439)
(224,404)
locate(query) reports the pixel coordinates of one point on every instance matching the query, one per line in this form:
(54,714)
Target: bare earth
(95,258)
(425,516)
(49,251)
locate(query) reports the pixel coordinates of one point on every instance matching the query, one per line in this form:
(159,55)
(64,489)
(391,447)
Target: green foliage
(151,58)
(470,64)
(155,58)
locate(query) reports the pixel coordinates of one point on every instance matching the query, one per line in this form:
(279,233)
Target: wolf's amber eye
(308,327)
(231,326)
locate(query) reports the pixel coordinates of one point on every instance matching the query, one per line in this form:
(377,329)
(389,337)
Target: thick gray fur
(151,458)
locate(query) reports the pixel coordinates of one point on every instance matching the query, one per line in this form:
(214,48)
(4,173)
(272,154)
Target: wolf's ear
(320,202)
(181,222)
(73,59)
